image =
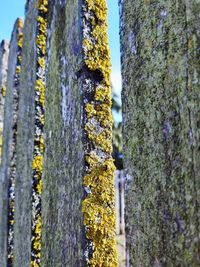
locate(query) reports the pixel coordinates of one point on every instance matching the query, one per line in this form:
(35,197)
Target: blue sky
(113,31)
(12,9)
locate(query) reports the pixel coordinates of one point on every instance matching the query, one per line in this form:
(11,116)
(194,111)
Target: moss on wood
(25,142)
(8,150)
(161,78)
(62,220)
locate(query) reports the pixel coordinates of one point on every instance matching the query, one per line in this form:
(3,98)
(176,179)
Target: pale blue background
(11,9)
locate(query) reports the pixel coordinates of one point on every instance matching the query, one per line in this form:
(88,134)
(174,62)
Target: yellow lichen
(20,24)
(3,91)
(41,62)
(42,99)
(39,86)
(102,93)
(43,25)
(41,43)
(37,164)
(98,207)
(20,39)
(11,196)
(39,146)
(87,44)
(19,58)
(39,187)
(18,70)
(42,5)
(34,264)
(42,119)
(38,226)
(92,159)
(89,108)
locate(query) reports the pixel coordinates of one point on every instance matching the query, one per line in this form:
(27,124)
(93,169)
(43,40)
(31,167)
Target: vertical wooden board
(62,222)
(7,143)
(122,202)
(4,51)
(160,70)
(25,140)
(117,202)
(99,203)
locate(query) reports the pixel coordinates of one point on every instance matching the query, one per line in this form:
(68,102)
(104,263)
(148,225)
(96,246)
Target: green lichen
(62,221)
(25,142)
(159,69)
(12,148)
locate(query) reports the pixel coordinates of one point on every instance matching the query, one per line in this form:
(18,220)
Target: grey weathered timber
(25,139)
(160,43)
(62,222)
(7,143)
(4,51)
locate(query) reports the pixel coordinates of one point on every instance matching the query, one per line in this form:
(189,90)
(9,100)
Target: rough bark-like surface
(62,232)
(4,51)
(6,148)
(25,139)
(161,77)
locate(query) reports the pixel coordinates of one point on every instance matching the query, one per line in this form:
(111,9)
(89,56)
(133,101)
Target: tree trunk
(161,131)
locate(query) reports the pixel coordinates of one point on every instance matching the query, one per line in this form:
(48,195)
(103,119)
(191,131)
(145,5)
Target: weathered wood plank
(4,51)
(8,149)
(25,141)
(62,232)
(161,131)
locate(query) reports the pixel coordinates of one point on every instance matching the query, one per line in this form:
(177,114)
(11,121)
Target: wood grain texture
(7,143)
(62,231)
(161,131)
(4,51)
(25,139)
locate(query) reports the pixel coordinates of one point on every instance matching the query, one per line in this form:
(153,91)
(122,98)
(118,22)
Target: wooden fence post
(25,141)
(119,201)
(4,51)
(161,130)
(8,167)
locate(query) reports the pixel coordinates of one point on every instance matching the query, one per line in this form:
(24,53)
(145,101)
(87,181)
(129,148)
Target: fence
(119,201)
